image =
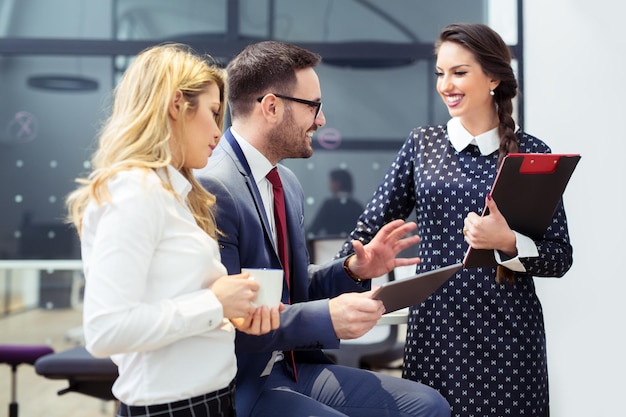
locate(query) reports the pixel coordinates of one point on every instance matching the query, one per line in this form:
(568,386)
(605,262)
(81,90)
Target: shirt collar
(260,166)
(180,184)
(460,138)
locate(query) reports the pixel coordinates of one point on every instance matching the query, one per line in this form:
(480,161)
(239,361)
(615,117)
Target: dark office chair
(15,355)
(84,373)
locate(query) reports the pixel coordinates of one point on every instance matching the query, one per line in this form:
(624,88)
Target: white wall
(575,53)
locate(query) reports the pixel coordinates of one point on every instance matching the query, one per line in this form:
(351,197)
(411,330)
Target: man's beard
(288,141)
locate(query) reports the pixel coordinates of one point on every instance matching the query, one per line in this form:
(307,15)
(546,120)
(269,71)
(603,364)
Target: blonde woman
(158,300)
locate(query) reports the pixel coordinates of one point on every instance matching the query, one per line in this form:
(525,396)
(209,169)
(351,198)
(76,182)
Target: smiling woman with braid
(480,338)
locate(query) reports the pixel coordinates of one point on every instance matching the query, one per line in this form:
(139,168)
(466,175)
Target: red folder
(527,190)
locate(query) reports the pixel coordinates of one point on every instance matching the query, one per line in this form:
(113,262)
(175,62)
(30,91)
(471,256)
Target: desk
(396,317)
(41,264)
(37,264)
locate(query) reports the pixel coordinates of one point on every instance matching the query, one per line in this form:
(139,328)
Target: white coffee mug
(270,285)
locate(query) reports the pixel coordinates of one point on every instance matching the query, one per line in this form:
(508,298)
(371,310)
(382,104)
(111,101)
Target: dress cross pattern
(481,344)
(280,218)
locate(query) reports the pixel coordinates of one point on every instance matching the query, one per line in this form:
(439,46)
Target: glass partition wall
(60,60)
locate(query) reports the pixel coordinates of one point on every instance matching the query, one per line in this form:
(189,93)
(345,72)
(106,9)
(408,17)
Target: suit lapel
(235,152)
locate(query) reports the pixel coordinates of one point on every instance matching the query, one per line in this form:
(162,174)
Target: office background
(573,53)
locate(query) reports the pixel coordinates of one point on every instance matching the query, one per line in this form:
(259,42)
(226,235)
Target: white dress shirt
(488,143)
(148,267)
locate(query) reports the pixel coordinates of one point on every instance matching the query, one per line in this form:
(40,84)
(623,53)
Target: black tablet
(413,290)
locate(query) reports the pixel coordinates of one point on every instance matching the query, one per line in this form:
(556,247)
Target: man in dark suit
(275,103)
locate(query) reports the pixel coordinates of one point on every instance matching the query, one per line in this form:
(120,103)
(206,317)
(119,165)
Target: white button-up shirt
(148,269)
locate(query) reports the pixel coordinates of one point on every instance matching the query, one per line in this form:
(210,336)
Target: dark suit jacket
(247,242)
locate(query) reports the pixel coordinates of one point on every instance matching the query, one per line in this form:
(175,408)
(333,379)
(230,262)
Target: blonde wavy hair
(138,132)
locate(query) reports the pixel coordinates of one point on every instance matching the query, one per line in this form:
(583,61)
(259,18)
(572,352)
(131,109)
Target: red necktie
(280,218)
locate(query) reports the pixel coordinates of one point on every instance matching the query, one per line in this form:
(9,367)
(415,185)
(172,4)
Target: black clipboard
(413,290)
(527,190)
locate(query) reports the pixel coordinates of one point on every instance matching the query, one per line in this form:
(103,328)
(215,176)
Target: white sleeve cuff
(526,248)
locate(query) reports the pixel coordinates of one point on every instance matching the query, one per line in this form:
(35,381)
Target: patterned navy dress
(481,344)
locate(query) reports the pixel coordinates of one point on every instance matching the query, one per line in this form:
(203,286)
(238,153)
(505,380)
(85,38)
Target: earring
(491,92)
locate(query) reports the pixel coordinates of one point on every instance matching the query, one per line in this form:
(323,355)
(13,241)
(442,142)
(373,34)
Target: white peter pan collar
(460,138)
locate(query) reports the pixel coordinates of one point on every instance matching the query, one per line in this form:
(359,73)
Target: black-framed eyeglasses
(315,104)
